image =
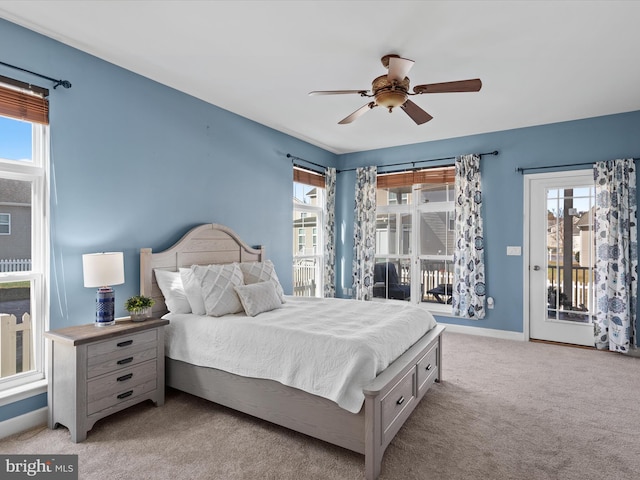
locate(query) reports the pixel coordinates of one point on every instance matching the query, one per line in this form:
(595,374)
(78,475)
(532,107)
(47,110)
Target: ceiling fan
(392,90)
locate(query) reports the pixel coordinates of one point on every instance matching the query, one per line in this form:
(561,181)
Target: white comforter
(328,347)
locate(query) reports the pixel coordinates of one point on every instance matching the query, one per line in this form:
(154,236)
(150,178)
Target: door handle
(536,267)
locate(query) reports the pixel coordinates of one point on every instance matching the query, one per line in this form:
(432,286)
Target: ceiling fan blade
(336,92)
(358,113)
(417,114)
(399,68)
(448,87)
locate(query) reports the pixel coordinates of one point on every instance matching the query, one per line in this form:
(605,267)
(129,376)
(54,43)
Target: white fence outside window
(15,265)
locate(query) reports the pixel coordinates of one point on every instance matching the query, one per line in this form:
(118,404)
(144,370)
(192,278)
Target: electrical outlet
(490,303)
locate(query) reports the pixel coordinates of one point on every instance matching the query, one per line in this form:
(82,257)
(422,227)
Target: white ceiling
(540,61)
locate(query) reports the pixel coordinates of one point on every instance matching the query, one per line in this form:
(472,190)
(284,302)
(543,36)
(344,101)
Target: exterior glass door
(561,259)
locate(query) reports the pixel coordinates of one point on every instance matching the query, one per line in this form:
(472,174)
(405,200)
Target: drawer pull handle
(125,377)
(400,401)
(428,367)
(125,394)
(125,343)
(125,360)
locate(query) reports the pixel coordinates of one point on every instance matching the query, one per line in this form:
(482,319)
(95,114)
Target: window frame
(306,210)
(415,257)
(14,387)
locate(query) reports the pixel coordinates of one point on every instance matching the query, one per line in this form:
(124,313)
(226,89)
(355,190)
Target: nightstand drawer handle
(428,367)
(125,360)
(125,377)
(125,394)
(125,344)
(400,401)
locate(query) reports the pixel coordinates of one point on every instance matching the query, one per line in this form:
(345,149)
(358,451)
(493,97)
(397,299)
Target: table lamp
(103,270)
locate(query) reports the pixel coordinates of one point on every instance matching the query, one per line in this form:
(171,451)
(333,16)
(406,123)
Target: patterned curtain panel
(330,233)
(616,262)
(364,233)
(468,299)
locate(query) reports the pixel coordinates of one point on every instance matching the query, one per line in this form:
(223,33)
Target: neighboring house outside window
(308,228)
(24,240)
(414,237)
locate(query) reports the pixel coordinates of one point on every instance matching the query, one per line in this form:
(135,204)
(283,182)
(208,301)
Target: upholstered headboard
(203,245)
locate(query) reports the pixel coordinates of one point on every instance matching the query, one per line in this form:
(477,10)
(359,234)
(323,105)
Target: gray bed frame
(389,398)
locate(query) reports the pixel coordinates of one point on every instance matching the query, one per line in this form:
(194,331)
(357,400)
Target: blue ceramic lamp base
(105,307)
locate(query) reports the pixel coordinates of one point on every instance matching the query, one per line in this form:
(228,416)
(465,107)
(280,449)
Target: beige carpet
(506,410)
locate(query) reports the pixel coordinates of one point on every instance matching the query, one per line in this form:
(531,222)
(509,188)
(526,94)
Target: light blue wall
(591,140)
(136,164)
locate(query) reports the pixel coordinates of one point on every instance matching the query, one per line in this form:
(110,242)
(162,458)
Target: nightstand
(97,371)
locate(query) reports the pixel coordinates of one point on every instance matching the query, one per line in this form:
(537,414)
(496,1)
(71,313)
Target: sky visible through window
(300,192)
(15,139)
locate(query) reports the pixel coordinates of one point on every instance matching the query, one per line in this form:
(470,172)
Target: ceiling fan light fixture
(390,94)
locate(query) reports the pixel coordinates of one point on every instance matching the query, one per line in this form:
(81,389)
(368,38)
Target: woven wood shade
(308,177)
(23,105)
(438,175)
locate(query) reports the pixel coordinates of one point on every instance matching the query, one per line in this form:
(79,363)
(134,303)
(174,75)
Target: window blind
(24,103)
(436,175)
(308,177)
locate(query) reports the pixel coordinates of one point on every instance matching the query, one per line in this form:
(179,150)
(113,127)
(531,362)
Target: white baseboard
(634,352)
(23,422)
(484,332)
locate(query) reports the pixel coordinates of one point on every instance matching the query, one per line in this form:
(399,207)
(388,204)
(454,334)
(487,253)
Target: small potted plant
(139,307)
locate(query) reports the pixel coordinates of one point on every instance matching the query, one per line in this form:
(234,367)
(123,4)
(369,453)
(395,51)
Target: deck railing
(15,344)
(580,297)
(305,272)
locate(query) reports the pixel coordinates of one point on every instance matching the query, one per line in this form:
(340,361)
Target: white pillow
(217,283)
(171,287)
(258,297)
(193,291)
(255,272)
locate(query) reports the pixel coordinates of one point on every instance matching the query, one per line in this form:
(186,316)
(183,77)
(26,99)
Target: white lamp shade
(103,269)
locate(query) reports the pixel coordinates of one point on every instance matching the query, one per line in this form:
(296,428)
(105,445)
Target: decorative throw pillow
(258,297)
(217,282)
(172,289)
(255,272)
(193,291)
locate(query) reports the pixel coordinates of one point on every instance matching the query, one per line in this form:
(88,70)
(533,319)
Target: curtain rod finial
(64,83)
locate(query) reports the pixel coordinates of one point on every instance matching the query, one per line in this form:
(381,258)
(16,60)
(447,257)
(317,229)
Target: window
(414,236)
(308,229)
(5,224)
(23,233)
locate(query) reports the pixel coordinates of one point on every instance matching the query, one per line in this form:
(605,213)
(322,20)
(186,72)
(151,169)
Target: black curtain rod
(294,159)
(495,152)
(56,83)
(544,167)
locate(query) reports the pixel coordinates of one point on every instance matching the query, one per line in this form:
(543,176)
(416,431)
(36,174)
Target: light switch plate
(517,251)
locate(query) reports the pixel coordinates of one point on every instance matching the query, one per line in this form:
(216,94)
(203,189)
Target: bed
(389,398)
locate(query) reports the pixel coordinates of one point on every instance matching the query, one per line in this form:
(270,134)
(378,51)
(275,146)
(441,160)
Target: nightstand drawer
(122,343)
(116,361)
(122,396)
(124,380)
